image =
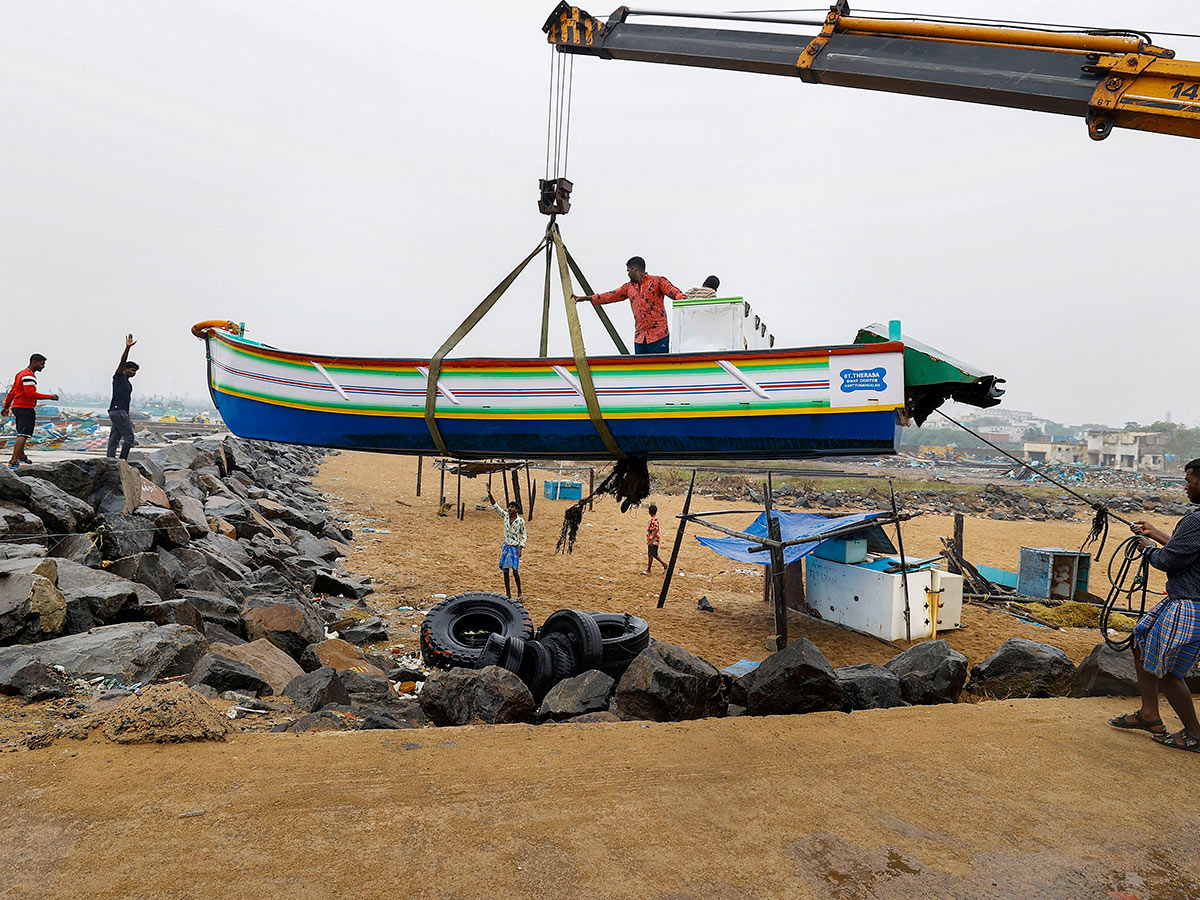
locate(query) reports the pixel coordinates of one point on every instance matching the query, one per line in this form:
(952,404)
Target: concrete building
(1055,452)
(1128,451)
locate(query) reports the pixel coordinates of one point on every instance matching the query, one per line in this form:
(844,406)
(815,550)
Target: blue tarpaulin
(792,526)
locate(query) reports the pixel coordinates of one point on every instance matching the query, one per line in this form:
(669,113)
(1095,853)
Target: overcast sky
(354,177)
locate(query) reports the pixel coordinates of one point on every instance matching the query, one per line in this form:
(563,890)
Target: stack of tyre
(480,629)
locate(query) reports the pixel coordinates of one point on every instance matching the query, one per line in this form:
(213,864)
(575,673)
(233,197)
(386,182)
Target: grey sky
(354,177)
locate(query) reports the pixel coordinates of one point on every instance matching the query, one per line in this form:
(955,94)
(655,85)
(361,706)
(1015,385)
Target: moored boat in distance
(771,403)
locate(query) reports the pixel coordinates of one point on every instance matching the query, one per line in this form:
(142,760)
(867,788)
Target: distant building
(1055,452)
(1128,451)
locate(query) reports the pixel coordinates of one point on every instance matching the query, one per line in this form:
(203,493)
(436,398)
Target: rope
(567,135)
(1129,549)
(435,364)
(550,109)
(1099,530)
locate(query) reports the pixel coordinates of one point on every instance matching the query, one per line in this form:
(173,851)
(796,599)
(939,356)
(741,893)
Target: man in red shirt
(645,295)
(21,400)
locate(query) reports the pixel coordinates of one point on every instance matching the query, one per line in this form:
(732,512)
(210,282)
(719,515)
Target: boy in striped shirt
(22,399)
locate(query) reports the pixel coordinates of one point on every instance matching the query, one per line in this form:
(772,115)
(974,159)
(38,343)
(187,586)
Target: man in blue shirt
(118,410)
(1166,642)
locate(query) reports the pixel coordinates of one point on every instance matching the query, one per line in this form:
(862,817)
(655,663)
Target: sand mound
(1078,615)
(164,713)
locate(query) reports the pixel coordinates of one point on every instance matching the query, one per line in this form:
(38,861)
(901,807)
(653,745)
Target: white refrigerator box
(717,323)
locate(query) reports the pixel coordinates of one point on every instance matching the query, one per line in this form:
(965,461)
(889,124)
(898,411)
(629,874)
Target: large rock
(216,608)
(168,530)
(129,653)
(83,478)
(311,691)
(146,569)
(327,582)
(271,664)
(224,554)
(797,679)
(59,511)
(291,625)
(107,596)
(31,607)
(665,683)
(868,686)
(219,672)
(190,512)
(929,672)
(122,535)
(341,655)
(403,712)
(81,548)
(165,612)
(491,695)
(36,681)
(365,689)
(13,488)
(577,696)
(20,526)
(1105,672)
(20,551)
(318,548)
(1023,668)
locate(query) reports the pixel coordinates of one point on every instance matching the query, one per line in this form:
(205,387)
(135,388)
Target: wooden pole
(420,461)
(504,480)
(442,489)
(529,487)
(778,590)
(903,567)
(591,487)
(458,500)
(516,478)
(958,544)
(687,504)
(544,343)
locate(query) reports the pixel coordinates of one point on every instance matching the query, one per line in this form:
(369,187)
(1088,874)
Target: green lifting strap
(581,364)
(587,289)
(435,364)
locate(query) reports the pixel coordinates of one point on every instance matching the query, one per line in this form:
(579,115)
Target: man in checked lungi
(1166,642)
(514,542)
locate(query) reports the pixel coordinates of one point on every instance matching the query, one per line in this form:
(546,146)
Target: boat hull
(777,404)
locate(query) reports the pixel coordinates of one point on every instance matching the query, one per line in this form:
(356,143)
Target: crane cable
(558,114)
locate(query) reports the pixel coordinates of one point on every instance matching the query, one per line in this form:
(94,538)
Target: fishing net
(628,482)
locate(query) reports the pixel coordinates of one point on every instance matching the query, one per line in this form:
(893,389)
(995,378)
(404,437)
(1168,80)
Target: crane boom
(1110,79)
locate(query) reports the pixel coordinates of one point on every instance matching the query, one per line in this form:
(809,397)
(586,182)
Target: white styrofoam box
(873,601)
(717,323)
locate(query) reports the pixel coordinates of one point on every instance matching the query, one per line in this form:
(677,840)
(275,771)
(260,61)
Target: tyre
(537,669)
(493,651)
(624,637)
(514,652)
(583,632)
(563,663)
(455,631)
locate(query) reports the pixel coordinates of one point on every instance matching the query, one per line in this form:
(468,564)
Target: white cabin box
(717,323)
(870,599)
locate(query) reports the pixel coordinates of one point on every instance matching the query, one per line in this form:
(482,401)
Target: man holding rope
(1166,642)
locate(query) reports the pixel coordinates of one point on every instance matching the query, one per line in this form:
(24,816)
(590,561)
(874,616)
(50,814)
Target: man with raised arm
(645,294)
(22,400)
(118,410)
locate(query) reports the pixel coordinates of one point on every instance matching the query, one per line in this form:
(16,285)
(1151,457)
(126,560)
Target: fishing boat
(762,403)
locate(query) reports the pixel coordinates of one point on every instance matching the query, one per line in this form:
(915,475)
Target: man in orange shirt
(22,399)
(645,294)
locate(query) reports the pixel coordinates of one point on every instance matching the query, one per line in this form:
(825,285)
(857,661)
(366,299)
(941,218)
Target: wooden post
(903,566)
(529,487)
(504,480)
(687,505)
(958,544)
(591,486)
(442,489)
(778,589)
(516,477)
(458,501)
(420,460)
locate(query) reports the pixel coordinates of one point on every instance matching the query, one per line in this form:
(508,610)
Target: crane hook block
(554,197)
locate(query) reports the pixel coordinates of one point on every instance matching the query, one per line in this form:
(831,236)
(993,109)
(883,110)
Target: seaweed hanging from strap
(629,482)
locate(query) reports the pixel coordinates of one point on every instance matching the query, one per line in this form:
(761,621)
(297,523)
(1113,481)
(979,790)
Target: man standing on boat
(514,542)
(22,400)
(118,410)
(645,294)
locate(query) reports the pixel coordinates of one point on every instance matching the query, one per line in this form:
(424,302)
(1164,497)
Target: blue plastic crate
(562,490)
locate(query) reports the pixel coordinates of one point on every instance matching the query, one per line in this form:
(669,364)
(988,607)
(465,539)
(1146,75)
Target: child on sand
(652,540)
(514,541)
